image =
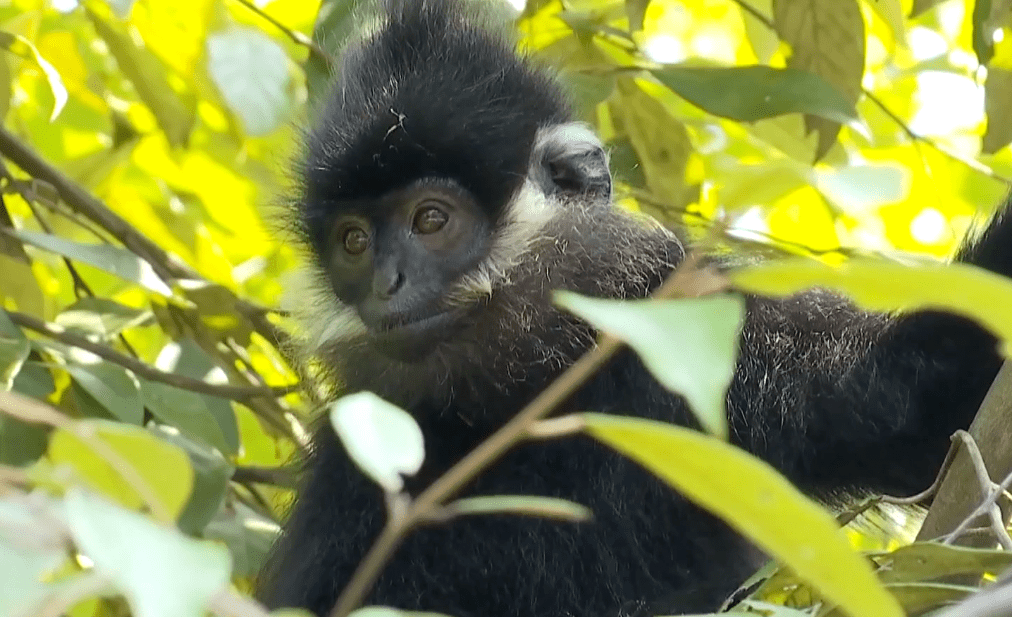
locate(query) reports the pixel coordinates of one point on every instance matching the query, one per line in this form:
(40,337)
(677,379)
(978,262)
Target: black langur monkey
(445,192)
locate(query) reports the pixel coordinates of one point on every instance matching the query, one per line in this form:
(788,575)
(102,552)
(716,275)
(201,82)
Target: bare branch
(295,35)
(961,493)
(81,201)
(235,393)
(917,137)
(275,476)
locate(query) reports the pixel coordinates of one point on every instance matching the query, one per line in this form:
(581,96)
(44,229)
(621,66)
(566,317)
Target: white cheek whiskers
(324,320)
(522,225)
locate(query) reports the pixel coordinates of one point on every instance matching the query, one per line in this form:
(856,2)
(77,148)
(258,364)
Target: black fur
(428,96)
(838,399)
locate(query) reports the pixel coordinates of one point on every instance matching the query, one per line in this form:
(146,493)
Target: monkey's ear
(578,171)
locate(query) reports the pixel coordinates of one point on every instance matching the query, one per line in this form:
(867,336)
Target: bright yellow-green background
(149,131)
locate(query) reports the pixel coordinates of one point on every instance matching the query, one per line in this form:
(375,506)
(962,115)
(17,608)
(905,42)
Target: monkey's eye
(356,241)
(429,220)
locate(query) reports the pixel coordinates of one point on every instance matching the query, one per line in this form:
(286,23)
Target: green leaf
(34,380)
(382,439)
(925,561)
(175,114)
(763,39)
(113,387)
(186,411)
(216,306)
(163,467)
(22,47)
(997,94)
(188,359)
(251,72)
(750,93)
(9,247)
(20,286)
(14,350)
(827,39)
(887,286)
(161,572)
(526,505)
(918,598)
(752,608)
(636,10)
(247,534)
(891,13)
(983,41)
(690,346)
(101,316)
(588,91)
(212,472)
(21,443)
(662,145)
(112,259)
(757,501)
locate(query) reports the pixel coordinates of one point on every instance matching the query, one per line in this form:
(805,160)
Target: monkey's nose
(386,282)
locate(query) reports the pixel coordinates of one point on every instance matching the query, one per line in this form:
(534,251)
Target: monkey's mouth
(406,323)
(411,337)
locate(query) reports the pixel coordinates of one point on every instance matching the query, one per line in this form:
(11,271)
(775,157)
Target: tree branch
(960,492)
(275,476)
(235,393)
(81,201)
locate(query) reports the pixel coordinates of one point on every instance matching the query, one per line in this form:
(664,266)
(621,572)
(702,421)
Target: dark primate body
(444,195)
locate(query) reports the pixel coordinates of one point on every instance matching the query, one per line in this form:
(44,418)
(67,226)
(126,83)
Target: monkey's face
(416,263)
(394,261)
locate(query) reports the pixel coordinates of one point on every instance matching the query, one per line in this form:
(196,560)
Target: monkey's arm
(838,398)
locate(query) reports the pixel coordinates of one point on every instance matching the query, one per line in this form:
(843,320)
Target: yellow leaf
(163,467)
(757,501)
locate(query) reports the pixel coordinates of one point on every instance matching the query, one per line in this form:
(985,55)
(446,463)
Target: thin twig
(950,456)
(991,491)
(998,527)
(754,12)
(275,476)
(917,137)
(296,36)
(81,201)
(235,393)
(914,136)
(14,475)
